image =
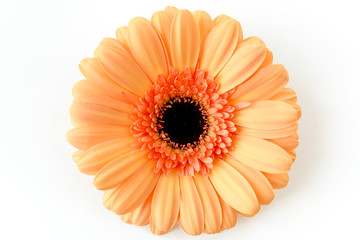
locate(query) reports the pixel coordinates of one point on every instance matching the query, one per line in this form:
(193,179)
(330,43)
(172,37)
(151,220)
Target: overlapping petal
(234,188)
(184,41)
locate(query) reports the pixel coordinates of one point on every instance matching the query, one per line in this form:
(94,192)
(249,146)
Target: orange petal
(204,23)
(154,229)
(147,49)
(91,69)
(122,35)
(112,43)
(263,84)
(141,215)
(286,94)
(166,202)
(229,216)
(287,143)
(261,154)
(277,181)
(96,157)
(106,101)
(109,196)
(246,59)
(220,19)
(120,169)
(85,87)
(210,203)
(123,69)
(86,137)
(233,188)
(191,217)
(219,46)
(93,114)
(268,59)
(266,115)
(161,21)
(76,156)
(136,189)
(269,134)
(184,41)
(258,182)
(171,11)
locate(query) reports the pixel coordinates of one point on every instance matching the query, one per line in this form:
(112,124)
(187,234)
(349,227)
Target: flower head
(182,120)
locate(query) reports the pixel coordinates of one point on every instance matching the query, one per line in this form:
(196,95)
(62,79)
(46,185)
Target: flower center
(183,121)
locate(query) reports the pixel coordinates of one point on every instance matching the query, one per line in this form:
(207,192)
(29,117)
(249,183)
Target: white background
(44,196)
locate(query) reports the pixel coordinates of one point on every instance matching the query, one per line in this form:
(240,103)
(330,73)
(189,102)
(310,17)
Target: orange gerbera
(182,120)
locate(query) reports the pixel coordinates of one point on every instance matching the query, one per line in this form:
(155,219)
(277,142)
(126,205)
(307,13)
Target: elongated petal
(91,69)
(266,115)
(287,143)
(85,87)
(210,203)
(269,134)
(120,169)
(147,49)
(171,10)
(277,180)
(258,182)
(220,19)
(219,46)
(153,227)
(112,43)
(96,157)
(184,41)
(109,196)
(76,155)
(141,215)
(124,70)
(286,94)
(166,202)
(191,217)
(106,101)
(86,137)
(93,114)
(263,84)
(161,22)
(233,188)
(136,189)
(122,35)
(229,216)
(261,154)
(246,59)
(268,59)
(204,23)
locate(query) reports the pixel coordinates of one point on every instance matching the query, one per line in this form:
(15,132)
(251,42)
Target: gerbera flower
(182,120)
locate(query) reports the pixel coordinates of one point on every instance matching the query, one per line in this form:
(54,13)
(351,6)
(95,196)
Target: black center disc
(183,122)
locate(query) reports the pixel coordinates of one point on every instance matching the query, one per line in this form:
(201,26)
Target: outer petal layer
(86,137)
(246,59)
(166,202)
(147,49)
(219,46)
(263,84)
(258,182)
(184,41)
(210,203)
(135,190)
(191,217)
(119,169)
(266,115)
(96,157)
(233,188)
(261,154)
